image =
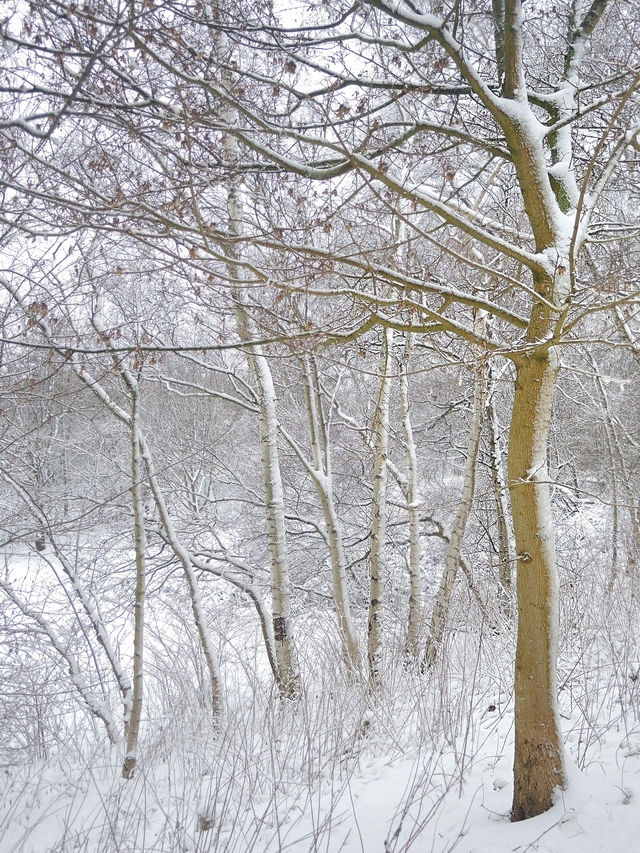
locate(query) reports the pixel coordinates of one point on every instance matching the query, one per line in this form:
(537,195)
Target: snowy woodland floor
(425,766)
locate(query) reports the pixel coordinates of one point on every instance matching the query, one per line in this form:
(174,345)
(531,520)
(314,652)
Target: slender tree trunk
(379,513)
(634,508)
(617,465)
(505,560)
(323,480)
(634,514)
(140,549)
(538,761)
(339,576)
(192,581)
(288,672)
(254,594)
(86,378)
(413,508)
(615,533)
(454,548)
(179,550)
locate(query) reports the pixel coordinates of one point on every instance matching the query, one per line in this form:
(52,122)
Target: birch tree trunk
(452,557)
(505,560)
(413,507)
(379,513)
(323,481)
(181,553)
(288,672)
(138,635)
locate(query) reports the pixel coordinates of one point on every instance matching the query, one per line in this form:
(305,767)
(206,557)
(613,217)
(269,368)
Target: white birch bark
(413,507)
(408,485)
(288,672)
(140,551)
(379,514)
(452,557)
(320,471)
(203,562)
(505,557)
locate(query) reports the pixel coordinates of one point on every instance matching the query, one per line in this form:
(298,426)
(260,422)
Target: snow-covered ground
(409,801)
(424,766)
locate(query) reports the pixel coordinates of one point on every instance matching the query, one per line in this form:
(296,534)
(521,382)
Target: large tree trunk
(538,761)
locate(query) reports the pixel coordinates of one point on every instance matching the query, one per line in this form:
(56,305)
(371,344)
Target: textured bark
(538,760)
(379,513)
(442,603)
(138,636)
